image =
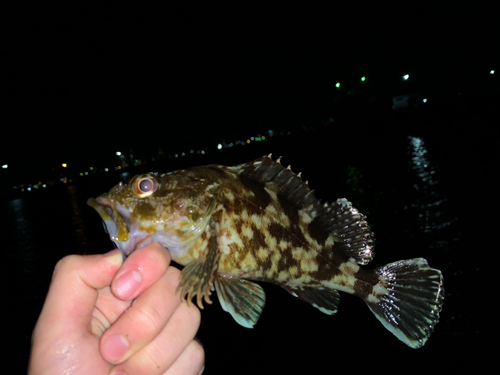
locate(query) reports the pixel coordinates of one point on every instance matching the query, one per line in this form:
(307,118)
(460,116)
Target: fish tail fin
(408,299)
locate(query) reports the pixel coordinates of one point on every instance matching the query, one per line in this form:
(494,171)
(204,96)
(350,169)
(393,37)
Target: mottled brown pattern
(236,253)
(316,232)
(332,257)
(290,210)
(261,198)
(144,208)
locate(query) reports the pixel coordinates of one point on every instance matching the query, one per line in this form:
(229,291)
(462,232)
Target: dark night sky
(82,79)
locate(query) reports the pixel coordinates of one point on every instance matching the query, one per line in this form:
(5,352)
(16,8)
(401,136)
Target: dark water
(423,181)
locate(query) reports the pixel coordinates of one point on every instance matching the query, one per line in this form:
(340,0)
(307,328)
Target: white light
(118,153)
(406,76)
(425,100)
(492,72)
(219,146)
(5,166)
(106,169)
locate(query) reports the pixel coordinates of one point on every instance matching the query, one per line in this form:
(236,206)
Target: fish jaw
(119,224)
(128,234)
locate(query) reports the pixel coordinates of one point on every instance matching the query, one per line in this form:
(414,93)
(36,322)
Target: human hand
(101,311)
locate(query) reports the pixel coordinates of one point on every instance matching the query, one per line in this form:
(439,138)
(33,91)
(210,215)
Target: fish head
(172,209)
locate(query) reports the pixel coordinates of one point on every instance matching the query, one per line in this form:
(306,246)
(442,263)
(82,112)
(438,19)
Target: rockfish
(259,221)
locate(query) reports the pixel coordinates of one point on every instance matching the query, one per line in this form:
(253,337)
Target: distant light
(118,153)
(337,85)
(406,76)
(492,72)
(91,168)
(64,165)
(106,169)
(425,100)
(363,79)
(44,185)
(203,152)
(81,174)
(248,140)
(219,146)
(5,166)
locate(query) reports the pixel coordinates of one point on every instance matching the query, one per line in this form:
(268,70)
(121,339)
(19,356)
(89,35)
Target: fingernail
(128,284)
(115,348)
(114,256)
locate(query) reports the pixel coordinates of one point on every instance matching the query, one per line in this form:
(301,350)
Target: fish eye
(144,186)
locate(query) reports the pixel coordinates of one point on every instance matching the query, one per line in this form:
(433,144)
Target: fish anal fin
(325,300)
(198,276)
(243,299)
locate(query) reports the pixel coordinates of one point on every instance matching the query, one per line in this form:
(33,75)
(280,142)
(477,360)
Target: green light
(337,85)
(363,79)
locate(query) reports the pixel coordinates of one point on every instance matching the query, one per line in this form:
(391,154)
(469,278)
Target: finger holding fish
(145,329)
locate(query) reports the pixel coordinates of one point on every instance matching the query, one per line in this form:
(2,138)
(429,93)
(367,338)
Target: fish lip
(112,214)
(103,200)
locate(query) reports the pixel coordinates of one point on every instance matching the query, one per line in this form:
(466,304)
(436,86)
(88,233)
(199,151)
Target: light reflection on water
(22,233)
(429,202)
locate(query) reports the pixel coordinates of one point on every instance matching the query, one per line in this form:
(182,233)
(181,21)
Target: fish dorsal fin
(340,218)
(283,181)
(350,226)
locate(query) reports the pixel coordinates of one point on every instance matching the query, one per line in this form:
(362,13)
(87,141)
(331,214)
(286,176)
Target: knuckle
(67,262)
(150,318)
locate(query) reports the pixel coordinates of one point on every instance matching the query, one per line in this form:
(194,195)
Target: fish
(232,227)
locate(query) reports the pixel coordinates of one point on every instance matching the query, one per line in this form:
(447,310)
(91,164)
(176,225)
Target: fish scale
(259,221)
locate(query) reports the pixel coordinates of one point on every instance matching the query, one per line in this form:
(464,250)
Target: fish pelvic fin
(408,299)
(243,299)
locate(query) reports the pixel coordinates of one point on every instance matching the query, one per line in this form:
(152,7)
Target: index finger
(140,270)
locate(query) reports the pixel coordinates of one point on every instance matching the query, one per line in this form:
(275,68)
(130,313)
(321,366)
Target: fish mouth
(119,224)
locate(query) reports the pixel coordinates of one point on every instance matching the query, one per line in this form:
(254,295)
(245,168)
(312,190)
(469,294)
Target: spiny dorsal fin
(283,181)
(339,218)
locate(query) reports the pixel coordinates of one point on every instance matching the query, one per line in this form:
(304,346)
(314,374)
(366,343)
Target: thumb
(73,290)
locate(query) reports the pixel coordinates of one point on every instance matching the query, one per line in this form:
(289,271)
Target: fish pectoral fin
(198,276)
(325,300)
(243,299)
